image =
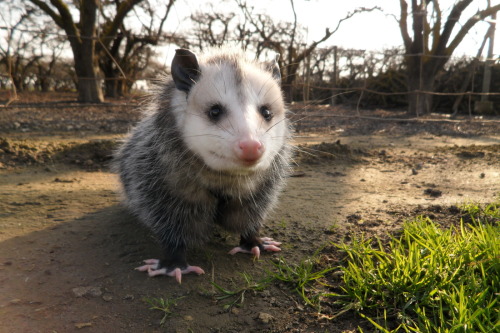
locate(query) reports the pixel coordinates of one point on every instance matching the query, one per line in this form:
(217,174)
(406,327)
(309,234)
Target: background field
(68,248)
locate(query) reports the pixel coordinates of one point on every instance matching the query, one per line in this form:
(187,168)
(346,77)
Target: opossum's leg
(175,265)
(254,245)
(245,217)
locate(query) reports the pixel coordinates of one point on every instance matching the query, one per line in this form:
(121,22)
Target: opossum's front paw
(153,267)
(266,244)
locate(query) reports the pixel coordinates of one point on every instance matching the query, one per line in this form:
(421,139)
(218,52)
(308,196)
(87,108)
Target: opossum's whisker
(225,129)
(279,137)
(267,91)
(260,126)
(295,121)
(224,82)
(232,127)
(305,152)
(275,100)
(218,92)
(205,134)
(318,151)
(219,68)
(292,160)
(278,122)
(262,87)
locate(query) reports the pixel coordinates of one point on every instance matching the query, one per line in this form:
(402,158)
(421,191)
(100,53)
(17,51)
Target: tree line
(113,44)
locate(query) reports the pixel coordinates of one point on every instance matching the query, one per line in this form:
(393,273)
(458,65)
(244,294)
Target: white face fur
(227,106)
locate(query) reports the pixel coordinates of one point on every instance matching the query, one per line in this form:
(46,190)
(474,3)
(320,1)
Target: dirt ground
(68,248)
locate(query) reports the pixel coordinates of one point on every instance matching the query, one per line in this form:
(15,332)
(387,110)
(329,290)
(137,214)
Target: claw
(269,241)
(177,274)
(151,264)
(152,261)
(272,247)
(238,249)
(268,244)
(255,251)
(156,272)
(152,267)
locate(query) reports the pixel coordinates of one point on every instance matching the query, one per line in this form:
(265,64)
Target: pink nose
(249,150)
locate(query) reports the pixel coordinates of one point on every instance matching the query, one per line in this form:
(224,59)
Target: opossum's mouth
(240,166)
(236,172)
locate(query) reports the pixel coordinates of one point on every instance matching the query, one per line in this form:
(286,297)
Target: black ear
(274,68)
(185,69)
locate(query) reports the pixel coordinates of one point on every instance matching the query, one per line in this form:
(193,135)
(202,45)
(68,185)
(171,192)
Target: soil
(68,248)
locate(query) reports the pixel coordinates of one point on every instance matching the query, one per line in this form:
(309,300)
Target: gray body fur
(173,192)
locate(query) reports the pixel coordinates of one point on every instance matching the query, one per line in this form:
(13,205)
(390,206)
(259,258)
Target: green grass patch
(425,279)
(301,278)
(163,305)
(428,279)
(236,297)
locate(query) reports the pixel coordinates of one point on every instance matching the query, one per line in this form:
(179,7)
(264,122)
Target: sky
(369,31)
(375,31)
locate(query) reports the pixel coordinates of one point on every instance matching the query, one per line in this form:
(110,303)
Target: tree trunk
(111,89)
(420,97)
(290,75)
(421,74)
(419,101)
(115,85)
(88,85)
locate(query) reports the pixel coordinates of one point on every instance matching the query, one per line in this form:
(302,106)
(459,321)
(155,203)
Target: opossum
(213,147)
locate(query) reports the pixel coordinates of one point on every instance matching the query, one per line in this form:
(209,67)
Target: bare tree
(32,46)
(432,44)
(322,63)
(49,48)
(125,51)
(90,42)
(211,28)
(14,51)
(81,33)
(353,63)
(286,38)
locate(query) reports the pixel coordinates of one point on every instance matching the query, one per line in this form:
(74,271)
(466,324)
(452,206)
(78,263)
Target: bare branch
(452,20)
(480,15)
(403,25)
(436,30)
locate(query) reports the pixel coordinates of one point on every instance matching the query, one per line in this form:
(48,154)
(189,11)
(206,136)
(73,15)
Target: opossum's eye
(266,113)
(215,112)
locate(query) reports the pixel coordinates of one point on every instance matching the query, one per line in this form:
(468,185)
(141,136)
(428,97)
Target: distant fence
(363,78)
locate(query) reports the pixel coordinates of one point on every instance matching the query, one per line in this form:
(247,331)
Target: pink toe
(255,251)
(142,268)
(238,249)
(269,241)
(151,264)
(156,272)
(152,261)
(193,269)
(178,275)
(272,248)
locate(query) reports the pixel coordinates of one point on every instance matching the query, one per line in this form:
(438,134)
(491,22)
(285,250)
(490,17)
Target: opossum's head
(230,110)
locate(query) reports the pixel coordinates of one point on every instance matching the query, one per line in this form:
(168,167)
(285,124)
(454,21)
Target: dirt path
(64,234)
(68,249)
